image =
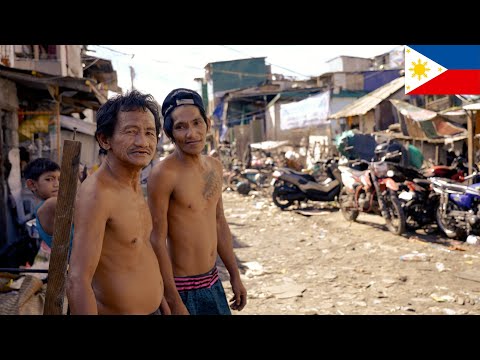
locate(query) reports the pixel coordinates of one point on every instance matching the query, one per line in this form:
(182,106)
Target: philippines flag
(442,69)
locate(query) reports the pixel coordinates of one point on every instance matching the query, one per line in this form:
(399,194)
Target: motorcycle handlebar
(384,158)
(470,176)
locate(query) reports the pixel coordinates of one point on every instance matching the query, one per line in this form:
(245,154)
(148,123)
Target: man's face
(134,139)
(189,129)
(47,185)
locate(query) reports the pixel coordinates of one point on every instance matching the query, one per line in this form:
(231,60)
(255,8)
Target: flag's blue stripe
(453,57)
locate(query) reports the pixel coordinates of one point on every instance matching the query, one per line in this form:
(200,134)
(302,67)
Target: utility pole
(132,76)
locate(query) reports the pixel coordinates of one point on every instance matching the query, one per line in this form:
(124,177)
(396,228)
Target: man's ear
(31,185)
(209,123)
(103,141)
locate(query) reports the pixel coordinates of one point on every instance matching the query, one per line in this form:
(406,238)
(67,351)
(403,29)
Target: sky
(161,68)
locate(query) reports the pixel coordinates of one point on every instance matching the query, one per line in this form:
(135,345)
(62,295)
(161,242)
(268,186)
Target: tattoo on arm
(212,184)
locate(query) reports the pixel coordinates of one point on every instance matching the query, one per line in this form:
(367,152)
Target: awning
(413,112)
(457,115)
(421,123)
(475,106)
(76,93)
(84,127)
(368,102)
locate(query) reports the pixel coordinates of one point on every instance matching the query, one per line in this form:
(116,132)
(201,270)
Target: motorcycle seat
(422,182)
(321,187)
(355,173)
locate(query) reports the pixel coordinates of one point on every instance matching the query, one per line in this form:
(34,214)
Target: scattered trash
(457,247)
(440,267)
(442,298)
(473,240)
(260,205)
(415,257)
(286,290)
(254,269)
(449,311)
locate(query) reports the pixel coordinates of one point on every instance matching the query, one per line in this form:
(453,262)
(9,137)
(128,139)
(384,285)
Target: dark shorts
(203,294)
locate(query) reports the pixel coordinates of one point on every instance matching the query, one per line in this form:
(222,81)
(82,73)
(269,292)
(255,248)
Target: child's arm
(46,214)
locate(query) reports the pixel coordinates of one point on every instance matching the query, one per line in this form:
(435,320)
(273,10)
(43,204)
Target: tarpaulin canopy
(413,112)
(269,145)
(422,123)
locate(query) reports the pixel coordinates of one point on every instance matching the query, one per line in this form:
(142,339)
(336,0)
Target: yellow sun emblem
(419,69)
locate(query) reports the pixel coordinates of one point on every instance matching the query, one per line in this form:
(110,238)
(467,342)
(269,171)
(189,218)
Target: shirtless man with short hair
(185,199)
(113,268)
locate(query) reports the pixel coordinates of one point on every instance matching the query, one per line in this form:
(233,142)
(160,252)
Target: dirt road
(322,264)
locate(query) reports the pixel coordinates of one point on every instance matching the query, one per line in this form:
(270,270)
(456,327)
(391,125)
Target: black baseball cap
(179,97)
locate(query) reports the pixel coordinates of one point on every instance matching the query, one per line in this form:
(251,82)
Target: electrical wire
(269,63)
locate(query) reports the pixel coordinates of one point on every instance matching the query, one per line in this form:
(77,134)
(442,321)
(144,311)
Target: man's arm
(160,185)
(225,251)
(91,216)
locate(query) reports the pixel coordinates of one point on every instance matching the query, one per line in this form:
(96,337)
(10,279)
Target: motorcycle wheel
(396,223)
(243,187)
(348,213)
(277,199)
(450,231)
(411,210)
(232,182)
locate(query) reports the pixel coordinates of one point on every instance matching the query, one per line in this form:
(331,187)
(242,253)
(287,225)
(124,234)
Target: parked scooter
(290,185)
(372,191)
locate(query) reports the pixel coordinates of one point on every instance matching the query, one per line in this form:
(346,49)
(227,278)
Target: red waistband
(195,282)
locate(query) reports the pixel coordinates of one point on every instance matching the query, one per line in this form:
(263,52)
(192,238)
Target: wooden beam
(75,84)
(3,204)
(62,227)
(470,133)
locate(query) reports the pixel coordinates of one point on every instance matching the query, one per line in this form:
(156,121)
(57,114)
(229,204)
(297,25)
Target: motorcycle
(290,185)
(372,191)
(417,197)
(245,180)
(458,213)
(419,203)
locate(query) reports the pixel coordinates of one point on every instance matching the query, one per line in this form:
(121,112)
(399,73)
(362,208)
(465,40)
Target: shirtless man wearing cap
(189,226)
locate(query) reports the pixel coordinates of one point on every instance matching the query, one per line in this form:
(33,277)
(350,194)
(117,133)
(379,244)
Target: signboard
(309,112)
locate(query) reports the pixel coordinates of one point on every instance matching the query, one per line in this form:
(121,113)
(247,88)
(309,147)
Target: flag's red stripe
(451,82)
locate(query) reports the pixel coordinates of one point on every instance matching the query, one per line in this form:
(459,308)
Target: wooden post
(62,227)
(58,132)
(470,133)
(436,154)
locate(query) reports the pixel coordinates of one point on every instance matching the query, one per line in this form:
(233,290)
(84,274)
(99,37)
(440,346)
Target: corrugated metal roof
(413,112)
(369,101)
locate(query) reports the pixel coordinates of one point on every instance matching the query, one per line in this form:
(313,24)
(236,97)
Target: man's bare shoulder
(97,187)
(165,168)
(213,162)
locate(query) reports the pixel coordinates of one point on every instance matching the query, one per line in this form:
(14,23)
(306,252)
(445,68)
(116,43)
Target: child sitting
(42,178)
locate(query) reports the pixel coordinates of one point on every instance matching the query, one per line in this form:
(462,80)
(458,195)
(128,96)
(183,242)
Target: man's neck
(128,175)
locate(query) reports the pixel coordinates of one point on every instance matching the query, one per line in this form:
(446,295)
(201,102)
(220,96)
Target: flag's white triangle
(419,69)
